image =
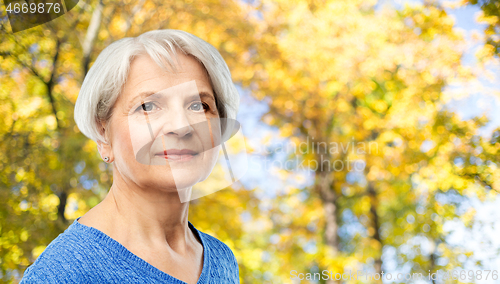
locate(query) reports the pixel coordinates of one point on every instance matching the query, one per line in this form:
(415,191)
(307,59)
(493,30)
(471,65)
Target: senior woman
(146,93)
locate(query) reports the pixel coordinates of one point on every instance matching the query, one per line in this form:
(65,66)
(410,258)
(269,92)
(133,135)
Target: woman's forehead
(147,76)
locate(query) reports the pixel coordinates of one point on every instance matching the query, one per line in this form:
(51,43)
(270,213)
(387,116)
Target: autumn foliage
(332,72)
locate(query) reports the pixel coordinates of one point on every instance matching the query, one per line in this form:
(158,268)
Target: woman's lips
(178,157)
(177,154)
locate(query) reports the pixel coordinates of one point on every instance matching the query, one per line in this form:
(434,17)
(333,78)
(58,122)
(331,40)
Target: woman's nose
(177,125)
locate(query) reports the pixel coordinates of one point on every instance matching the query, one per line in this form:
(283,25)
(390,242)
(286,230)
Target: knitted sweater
(83,254)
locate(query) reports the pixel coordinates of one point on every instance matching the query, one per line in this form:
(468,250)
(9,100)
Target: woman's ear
(104,148)
(105,151)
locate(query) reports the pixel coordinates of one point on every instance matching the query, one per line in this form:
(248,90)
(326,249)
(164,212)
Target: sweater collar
(107,241)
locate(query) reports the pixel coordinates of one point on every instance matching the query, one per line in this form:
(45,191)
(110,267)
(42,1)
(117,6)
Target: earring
(106,159)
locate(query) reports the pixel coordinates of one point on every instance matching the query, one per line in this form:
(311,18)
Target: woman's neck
(152,218)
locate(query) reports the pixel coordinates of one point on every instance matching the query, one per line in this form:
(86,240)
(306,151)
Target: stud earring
(106,159)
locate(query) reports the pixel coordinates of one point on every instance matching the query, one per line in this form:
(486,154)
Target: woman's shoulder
(68,258)
(48,267)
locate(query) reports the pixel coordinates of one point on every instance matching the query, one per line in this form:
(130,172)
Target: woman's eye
(146,107)
(197,106)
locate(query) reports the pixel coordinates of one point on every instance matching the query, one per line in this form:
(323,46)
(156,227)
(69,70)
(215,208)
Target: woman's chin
(165,182)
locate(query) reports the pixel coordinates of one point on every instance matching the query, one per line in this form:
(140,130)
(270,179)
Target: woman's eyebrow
(143,95)
(204,95)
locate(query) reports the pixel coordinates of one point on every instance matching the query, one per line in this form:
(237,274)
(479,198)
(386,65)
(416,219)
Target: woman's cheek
(138,136)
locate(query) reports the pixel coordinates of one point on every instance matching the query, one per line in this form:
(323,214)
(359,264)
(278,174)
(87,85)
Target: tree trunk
(324,186)
(92,31)
(63,197)
(376,226)
(433,260)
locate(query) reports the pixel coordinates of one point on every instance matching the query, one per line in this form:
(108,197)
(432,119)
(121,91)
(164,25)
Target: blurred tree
(491,16)
(360,83)
(41,148)
(482,156)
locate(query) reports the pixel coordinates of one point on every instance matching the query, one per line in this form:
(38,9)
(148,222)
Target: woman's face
(164,129)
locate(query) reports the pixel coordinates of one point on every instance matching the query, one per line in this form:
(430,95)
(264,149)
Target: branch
(25,65)
(477,177)
(50,83)
(92,30)
(135,10)
(10,133)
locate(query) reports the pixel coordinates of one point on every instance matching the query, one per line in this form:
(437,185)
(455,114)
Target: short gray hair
(105,79)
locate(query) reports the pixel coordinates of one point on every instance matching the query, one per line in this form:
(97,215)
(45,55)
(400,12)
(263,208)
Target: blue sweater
(83,254)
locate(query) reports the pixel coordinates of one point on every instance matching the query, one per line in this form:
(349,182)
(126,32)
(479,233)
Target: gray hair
(105,79)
